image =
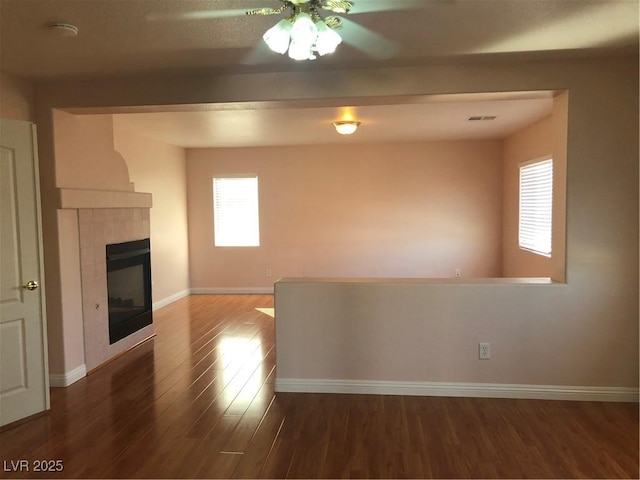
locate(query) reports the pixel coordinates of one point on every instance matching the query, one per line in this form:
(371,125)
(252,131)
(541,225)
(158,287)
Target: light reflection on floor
(242,362)
(268,311)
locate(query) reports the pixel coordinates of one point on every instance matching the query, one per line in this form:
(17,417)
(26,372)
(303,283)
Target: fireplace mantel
(82,198)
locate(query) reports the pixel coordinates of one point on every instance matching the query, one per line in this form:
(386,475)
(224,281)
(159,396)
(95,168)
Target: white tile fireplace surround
(99,227)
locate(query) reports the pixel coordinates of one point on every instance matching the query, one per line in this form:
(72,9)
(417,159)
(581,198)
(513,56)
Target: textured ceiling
(125,37)
(121,38)
(440,118)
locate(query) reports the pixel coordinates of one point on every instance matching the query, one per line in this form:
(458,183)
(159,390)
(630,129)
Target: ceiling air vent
(482,118)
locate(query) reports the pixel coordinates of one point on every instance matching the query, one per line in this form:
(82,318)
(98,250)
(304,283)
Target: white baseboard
(170,299)
(232,290)
(441,389)
(66,379)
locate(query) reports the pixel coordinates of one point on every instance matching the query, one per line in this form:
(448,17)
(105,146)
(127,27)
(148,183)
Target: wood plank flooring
(198,401)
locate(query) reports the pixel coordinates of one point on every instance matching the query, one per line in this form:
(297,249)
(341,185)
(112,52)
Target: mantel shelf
(82,198)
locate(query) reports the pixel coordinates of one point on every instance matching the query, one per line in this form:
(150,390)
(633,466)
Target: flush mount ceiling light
(346,127)
(305,33)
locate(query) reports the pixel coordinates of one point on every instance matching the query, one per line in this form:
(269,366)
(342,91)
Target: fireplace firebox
(129,288)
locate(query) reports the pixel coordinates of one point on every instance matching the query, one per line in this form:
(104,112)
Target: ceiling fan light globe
(277,37)
(304,31)
(327,40)
(300,51)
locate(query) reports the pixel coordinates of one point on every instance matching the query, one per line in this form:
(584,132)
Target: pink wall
(418,209)
(160,169)
(16,98)
(548,137)
(585,330)
(420,337)
(85,155)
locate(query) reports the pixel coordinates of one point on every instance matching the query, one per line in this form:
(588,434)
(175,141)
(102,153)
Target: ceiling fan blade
(337,6)
(267,11)
(367,41)
(197,15)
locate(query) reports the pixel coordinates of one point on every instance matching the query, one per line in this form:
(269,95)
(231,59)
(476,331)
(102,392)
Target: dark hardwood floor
(198,401)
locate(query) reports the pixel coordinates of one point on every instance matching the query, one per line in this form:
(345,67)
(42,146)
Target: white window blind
(536,205)
(235,211)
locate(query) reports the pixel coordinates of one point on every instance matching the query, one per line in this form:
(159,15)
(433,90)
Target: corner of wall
(560,124)
(16,98)
(61,380)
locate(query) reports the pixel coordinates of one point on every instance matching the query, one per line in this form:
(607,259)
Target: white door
(24,383)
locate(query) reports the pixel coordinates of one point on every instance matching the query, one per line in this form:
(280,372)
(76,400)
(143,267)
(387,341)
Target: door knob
(31,285)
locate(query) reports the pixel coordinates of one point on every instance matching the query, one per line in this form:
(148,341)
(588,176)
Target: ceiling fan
(312,28)
(305,32)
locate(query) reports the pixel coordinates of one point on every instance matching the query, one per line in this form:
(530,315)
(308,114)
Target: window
(536,202)
(235,211)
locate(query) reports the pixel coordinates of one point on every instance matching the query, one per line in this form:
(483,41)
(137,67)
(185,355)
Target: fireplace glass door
(129,288)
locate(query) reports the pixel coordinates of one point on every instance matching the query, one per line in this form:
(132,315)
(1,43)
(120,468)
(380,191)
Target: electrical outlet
(483,351)
(458,272)
(267,272)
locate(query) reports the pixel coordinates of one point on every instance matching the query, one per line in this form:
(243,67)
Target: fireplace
(128,288)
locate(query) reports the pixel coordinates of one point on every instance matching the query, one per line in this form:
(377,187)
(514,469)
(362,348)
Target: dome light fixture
(346,127)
